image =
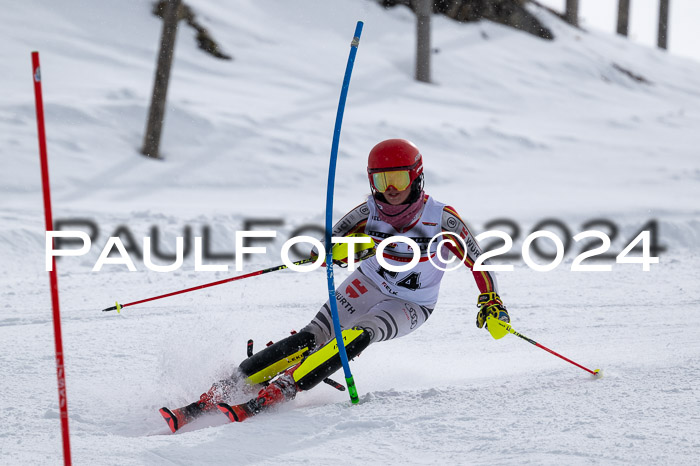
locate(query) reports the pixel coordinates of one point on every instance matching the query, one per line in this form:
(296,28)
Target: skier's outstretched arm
(489,302)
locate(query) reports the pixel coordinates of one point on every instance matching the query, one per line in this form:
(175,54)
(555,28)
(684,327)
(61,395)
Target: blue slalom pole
(329,216)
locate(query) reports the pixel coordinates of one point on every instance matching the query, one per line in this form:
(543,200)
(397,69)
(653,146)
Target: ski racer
(374,304)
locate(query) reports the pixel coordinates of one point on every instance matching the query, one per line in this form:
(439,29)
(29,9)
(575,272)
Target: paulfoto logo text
(439,256)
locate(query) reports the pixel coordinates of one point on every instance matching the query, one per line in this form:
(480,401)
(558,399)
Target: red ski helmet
(394,162)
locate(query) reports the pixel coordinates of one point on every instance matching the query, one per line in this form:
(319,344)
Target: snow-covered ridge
(528,112)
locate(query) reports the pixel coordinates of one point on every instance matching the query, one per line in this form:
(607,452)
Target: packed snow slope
(589,130)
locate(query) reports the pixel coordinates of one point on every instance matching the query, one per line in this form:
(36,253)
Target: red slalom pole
(60,373)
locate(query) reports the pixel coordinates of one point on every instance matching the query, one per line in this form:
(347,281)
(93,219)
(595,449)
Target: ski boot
(304,376)
(177,418)
(284,388)
(258,369)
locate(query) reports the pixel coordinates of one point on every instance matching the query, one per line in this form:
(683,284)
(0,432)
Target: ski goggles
(400,179)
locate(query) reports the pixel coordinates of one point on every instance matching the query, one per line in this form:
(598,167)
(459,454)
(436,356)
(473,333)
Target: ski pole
(118,306)
(506,327)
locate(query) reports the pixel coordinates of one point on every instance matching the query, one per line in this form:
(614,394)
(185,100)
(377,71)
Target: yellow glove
(490,304)
(361,251)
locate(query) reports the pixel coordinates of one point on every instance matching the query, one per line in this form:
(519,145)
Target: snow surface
(512,127)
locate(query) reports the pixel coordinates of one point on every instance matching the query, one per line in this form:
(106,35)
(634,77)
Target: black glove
(490,304)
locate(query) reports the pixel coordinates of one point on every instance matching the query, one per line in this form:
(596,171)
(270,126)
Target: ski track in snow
(514,127)
(447,393)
